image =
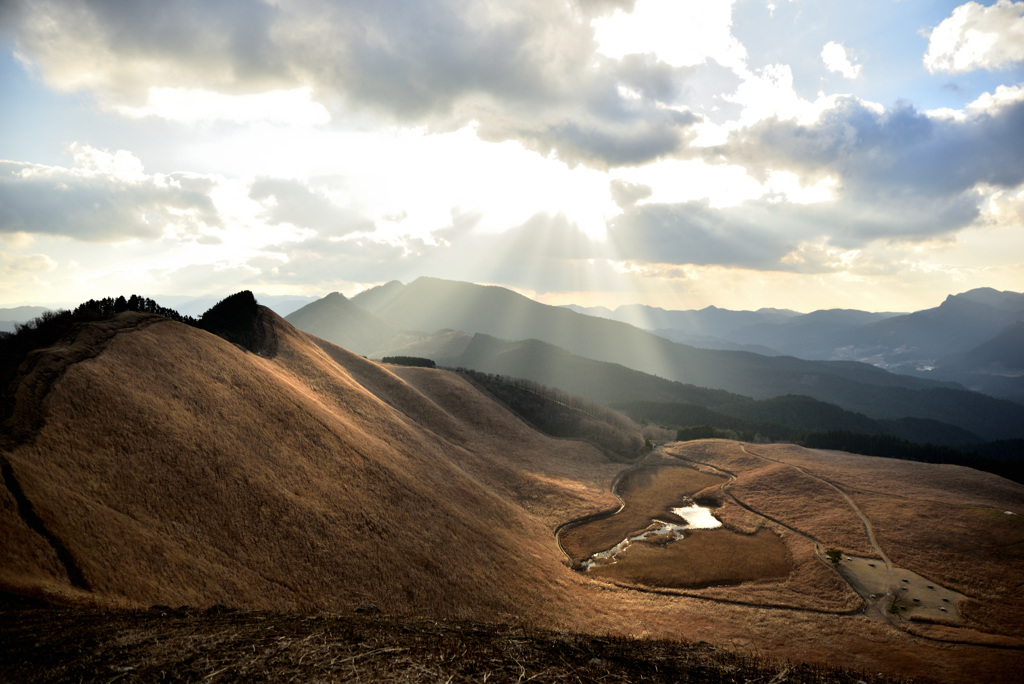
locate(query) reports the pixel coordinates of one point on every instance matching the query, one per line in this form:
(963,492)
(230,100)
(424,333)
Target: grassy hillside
(177,468)
(148,462)
(560,414)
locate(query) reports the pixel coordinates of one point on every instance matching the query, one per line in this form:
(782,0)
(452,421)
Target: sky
(799,154)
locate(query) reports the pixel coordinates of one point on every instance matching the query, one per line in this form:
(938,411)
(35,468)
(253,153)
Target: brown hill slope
(173,467)
(147,462)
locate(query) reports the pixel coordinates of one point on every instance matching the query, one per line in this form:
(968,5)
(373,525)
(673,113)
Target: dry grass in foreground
(42,645)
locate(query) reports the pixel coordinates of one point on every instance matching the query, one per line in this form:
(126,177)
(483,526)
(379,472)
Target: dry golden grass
(978,551)
(178,469)
(904,480)
(804,504)
(235,646)
(28,558)
(947,523)
(702,558)
(810,584)
(553,479)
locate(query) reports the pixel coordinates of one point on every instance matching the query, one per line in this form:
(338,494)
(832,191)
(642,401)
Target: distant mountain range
(495,330)
(968,339)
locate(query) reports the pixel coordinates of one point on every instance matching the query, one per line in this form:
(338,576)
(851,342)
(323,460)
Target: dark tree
(236,319)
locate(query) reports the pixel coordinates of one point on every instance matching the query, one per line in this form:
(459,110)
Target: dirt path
(724,488)
(856,509)
(613,488)
(876,601)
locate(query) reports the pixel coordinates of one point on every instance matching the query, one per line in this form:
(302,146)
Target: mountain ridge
(429,304)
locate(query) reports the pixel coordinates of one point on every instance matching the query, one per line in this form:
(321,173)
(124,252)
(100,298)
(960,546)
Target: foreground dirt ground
(221,645)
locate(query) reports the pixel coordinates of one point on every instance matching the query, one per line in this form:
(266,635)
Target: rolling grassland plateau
(149,463)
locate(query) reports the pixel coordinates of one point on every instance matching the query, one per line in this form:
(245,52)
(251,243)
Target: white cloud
(679,33)
(121,165)
(992,102)
(786,186)
(19,265)
(818,256)
(104,197)
(835,58)
(423,177)
(1004,207)
(986,103)
(364,124)
(769,93)
(523,70)
(673,181)
(977,37)
(186,105)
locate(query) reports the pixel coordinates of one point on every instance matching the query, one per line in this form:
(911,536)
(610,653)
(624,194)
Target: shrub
(415,361)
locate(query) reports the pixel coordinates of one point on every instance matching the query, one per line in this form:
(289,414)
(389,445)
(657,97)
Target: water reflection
(698,517)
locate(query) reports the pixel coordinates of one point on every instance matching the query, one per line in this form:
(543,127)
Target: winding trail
(853,505)
(600,515)
(873,607)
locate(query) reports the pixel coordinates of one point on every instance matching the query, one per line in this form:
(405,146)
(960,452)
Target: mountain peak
(379,295)
(998,299)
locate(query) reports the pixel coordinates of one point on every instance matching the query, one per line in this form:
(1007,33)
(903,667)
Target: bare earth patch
(901,592)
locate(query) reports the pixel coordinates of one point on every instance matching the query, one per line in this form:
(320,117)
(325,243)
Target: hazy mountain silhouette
(1001,355)
(922,343)
(980,415)
(995,367)
(958,324)
(337,319)
(9,318)
(816,335)
(616,385)
(771,332)
(430,304)
(708,322)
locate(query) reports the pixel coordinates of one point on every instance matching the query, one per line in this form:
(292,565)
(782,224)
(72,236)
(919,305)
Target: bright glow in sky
(745,154)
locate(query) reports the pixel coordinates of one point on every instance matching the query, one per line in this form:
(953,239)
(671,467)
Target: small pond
(696,517)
